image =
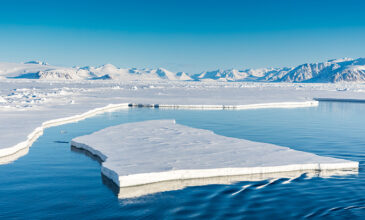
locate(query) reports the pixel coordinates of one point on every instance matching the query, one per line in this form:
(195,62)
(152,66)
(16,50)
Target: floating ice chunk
(154,151)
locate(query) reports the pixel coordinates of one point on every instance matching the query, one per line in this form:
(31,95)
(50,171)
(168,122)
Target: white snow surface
(26,104)
(161,150)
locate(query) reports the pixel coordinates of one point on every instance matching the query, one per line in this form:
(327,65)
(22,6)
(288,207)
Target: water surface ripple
(53,182)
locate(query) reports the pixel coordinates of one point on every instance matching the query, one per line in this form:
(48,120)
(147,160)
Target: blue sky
(181,35)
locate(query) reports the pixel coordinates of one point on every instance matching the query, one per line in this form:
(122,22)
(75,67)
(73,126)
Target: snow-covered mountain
(41,70)
(349,70)
(233,75)
(109,71)
(338,70)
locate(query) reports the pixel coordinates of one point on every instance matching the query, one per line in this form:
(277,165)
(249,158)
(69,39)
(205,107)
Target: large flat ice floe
(27,106)
(155,151)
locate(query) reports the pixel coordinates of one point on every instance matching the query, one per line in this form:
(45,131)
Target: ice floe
(156,151)
(26,104)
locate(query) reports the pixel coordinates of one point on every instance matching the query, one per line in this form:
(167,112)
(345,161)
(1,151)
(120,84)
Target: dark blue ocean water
(53,182)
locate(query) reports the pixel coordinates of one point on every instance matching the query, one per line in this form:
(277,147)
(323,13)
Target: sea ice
(160,150)
(27,104)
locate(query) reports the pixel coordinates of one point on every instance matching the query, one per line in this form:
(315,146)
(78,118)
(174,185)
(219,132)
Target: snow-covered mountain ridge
(338,70)
(40,70)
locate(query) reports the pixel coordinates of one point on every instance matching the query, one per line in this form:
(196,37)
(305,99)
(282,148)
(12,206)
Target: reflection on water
(142,190)
(53,182)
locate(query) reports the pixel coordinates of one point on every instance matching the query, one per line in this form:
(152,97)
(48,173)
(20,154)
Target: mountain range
(331,71)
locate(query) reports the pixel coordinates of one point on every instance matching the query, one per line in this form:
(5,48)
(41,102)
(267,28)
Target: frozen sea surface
(52,181)
(154,151)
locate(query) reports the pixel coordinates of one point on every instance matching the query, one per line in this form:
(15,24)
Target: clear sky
(181,35)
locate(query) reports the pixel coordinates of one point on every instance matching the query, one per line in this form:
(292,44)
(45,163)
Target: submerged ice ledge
(156,151)
(9,154)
